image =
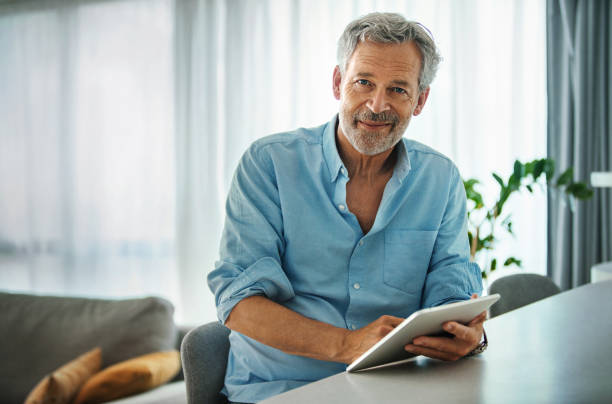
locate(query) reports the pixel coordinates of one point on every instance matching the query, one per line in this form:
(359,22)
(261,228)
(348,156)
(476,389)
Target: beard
(372,142)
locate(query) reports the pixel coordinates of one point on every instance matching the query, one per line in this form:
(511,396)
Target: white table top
(557,350)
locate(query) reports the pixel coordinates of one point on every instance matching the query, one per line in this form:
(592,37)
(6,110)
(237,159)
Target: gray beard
(371,143)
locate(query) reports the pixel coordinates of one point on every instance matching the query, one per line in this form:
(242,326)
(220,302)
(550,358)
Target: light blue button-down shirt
(290,236)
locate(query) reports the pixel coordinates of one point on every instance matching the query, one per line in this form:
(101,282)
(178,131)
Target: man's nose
(378,101)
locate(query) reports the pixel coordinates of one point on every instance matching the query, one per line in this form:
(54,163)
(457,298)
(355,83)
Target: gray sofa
(41,333)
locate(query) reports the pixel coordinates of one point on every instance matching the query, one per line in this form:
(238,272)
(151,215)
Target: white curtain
(123,124)
(87,177)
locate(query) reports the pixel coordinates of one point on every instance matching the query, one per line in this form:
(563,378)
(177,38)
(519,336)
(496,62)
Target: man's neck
(368,168)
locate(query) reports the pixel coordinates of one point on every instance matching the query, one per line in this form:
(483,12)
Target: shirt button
(360,243)
(356,285)
(343,171)
(353,326)
(341,207)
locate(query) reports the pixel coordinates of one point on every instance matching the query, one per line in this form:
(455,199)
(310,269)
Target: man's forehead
(402,61)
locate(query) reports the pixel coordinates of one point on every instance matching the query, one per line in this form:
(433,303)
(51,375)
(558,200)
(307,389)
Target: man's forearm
(279,327)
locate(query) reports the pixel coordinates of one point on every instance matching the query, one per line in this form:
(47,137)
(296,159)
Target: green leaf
(579,190)
(549,169)
(493,264)
(513,261)
(475,197)
(566,177)
(529,166)
(498,207)
(529,189)
(486,243)
(538,168)
(469,183)
(472,194)
(483,274)
(519,170)
(503,197)
(499,180)
(514,182)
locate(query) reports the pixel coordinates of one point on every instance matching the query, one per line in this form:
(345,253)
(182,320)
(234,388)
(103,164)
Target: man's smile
(373,125)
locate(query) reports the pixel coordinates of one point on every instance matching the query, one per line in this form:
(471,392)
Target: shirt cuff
(454,282)
(264,277)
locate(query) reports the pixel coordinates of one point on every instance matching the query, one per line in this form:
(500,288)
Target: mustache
(385,117)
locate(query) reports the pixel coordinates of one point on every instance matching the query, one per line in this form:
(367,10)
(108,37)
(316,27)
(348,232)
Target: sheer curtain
(124,122)
(87,178)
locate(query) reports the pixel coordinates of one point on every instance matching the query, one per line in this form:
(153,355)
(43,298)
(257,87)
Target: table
(557,350)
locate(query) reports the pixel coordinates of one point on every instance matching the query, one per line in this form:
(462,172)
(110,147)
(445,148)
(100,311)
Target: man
(335,234)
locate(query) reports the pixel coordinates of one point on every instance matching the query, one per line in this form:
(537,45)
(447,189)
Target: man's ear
(421,102)
(336,82)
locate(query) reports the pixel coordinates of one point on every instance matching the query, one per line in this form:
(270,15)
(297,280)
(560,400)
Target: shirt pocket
(407,256)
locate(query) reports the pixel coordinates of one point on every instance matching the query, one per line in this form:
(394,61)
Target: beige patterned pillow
(130,377)
(62,385)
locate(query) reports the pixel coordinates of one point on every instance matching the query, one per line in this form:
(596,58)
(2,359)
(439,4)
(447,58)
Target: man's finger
(481,318)
(461,331)
(432,353)
(391,320)
(437,343)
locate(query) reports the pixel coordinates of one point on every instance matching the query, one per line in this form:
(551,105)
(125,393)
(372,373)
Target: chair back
(204,353)
(520,290)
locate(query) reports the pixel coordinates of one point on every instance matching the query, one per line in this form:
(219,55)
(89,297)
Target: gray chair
(204,352)
(520,290)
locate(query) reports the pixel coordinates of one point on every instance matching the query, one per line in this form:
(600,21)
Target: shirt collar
(330,151)
(336,166)
(402,166)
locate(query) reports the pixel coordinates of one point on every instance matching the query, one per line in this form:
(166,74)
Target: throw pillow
(130,377)
(61,386)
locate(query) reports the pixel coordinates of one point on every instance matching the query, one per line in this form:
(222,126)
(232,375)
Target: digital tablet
(423,322)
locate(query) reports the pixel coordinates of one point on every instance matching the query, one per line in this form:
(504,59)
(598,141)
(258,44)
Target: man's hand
(357,342)
(465,339)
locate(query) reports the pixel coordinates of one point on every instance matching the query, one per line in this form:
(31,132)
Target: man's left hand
(465,339)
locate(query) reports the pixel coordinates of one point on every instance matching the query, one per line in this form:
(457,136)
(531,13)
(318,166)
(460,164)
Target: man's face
(378,95)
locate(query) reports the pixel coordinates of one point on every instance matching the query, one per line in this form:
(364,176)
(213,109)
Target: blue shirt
(290,236)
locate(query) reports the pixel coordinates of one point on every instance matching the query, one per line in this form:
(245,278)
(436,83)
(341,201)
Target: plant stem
(474,244)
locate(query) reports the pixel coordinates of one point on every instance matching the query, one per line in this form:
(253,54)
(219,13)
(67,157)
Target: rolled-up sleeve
(451,275)
(252,241)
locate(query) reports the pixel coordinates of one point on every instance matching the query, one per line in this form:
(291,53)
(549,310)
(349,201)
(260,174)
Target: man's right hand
(357,342)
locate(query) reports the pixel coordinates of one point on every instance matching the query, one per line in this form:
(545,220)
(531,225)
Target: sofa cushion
(130,377)
(61,386)
(40,333)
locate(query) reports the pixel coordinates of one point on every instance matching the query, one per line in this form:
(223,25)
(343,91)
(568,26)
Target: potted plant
(486,222)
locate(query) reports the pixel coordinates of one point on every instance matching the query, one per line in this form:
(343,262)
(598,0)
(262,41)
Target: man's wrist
(481,347)
(343,347)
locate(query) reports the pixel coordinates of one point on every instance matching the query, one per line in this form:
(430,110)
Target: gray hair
(390,28)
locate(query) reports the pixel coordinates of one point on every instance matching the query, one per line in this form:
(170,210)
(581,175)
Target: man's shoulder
(286,147)
(290,139)
(423,153)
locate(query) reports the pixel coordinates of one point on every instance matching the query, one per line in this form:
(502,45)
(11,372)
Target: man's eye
(363,82)
(399,90)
